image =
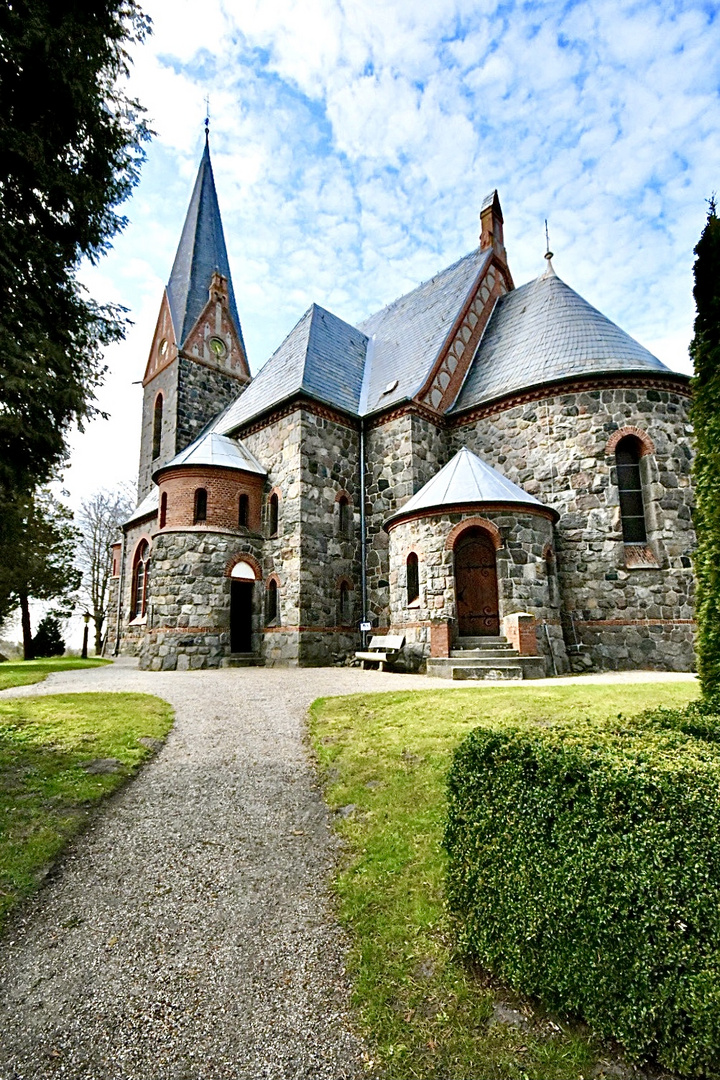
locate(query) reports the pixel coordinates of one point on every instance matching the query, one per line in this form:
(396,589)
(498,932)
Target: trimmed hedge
(584,866)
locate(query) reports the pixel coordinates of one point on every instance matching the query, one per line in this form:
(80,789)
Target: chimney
(491,226)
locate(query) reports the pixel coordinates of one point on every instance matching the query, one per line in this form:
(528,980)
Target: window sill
(413,604)
(640,557)
(139,620)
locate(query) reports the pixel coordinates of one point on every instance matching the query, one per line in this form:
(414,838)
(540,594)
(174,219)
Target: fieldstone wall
(401,454)
(523,583)
(165,382)
(615,616)
(277,446)
(330,468)
(132,631)
(188,614)
(202,393)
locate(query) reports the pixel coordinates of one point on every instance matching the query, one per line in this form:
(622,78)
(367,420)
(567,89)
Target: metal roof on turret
(322,356)
(467,479)
(545,332)
(216,450)
(200,253)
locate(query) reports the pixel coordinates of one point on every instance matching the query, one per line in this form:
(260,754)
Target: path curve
(190,934)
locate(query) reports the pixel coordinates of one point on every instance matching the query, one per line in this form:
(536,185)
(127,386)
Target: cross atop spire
(200,254)
(207,119)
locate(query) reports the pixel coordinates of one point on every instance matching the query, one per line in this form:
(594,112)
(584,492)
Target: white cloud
(352,144)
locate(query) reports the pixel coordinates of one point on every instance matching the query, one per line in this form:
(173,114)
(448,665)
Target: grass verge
(26,672)
(60,755)
(423,1010)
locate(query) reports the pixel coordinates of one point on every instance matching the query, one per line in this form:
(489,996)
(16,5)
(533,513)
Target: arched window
(345,612)
(632,512)
(200,513)
(551,571)
(344,516)
(243,511)
(157,426)
(271,601)
(141,572)
(413,578)
(163,509)
(273,512)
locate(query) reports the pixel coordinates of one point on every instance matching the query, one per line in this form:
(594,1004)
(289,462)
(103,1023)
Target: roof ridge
(423,284)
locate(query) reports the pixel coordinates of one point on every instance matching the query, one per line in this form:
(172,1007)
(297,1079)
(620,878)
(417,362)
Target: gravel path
(189,932)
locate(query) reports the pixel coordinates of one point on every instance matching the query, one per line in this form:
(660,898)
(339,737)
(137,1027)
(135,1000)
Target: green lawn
(424,1011)
(47,792)
(25,672)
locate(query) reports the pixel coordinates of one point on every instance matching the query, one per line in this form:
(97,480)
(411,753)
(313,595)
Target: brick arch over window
(647,446)
(272,599)
(157,425)
(139,580)
(243,556)
(474,523)
(274,506)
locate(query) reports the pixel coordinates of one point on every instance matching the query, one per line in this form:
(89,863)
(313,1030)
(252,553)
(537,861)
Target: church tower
(197,363)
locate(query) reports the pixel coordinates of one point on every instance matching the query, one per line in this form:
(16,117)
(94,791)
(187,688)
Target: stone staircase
(486,658)
(243,660)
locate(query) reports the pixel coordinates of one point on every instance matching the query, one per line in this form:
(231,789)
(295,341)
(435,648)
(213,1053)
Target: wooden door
(476,585)
(241,593)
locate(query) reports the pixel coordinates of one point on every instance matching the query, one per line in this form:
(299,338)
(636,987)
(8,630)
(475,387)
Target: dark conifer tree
(70,151)
(705,353)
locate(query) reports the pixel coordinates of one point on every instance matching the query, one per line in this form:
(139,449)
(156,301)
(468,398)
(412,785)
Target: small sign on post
(365,628)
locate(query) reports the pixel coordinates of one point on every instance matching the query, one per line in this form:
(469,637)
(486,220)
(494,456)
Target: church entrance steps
(492,658)
(243,660)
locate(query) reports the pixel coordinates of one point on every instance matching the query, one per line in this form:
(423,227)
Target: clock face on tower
(217,347)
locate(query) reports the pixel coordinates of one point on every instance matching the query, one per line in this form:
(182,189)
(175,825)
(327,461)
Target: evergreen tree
(38,560)
(70,151)
(705,353)
(48,640)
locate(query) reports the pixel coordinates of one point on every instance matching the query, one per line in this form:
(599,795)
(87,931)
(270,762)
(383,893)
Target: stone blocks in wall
(559,449)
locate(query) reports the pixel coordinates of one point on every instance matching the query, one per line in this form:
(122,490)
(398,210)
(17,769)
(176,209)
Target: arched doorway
(242,580)
(476,589)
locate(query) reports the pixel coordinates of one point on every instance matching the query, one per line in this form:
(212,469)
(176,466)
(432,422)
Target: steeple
(201,253)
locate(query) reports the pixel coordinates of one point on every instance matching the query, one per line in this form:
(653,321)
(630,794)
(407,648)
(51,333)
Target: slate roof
(466,479)
(213,449)
(200,252)
(322,356)
(406,336)
(149,505)
(543,332)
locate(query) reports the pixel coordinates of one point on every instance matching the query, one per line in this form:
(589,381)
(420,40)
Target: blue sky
(353,143)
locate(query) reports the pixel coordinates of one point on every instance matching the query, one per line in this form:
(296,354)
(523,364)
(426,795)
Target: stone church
(486,471)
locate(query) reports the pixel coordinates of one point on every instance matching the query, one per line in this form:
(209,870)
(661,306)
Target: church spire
(201,253)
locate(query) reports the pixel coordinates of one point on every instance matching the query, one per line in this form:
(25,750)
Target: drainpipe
(363,532)
(119,596)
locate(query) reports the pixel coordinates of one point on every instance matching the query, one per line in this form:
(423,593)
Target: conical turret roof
(545,332)
(218,451)
(467,479)
(200,253)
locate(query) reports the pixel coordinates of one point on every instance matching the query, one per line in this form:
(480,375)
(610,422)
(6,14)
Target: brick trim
(648,446)
(471,508)
(145,537)
(272,577)
(294,404)
(673,384)
(634,622)
(344,580)
(244,556)
(343,494)
(473,523)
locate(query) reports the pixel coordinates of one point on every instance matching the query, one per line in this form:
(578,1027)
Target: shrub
(48,639)
(584,867)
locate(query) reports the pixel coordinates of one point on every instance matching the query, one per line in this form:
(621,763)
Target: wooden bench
(383,650)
